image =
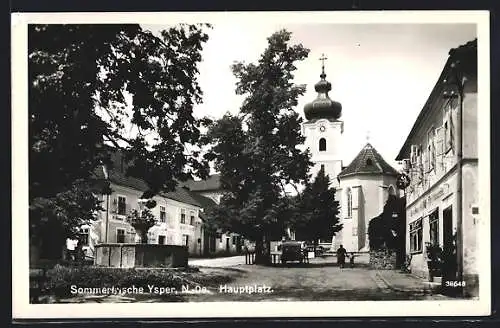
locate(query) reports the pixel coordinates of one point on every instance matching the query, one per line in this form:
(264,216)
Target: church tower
(323,130)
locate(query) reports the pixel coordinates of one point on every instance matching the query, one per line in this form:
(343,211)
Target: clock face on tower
(322,128)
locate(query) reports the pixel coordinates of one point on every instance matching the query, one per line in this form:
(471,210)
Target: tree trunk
(144,237)
(315,245)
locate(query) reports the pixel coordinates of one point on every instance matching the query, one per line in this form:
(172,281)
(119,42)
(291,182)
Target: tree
(318,211)
(384,231)
(142,221)
(91,84)
(256,151)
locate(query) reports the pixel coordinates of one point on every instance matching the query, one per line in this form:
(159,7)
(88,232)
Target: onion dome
(323,106)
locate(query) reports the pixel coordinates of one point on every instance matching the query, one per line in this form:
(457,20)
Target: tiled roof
(211,183)
(368,161)
(118,177)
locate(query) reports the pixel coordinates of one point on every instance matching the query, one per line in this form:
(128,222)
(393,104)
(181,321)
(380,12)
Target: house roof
(210,184)
(117,176)
(368,161)
(466,52)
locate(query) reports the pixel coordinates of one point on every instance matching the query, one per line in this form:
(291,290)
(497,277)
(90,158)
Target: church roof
(368,161)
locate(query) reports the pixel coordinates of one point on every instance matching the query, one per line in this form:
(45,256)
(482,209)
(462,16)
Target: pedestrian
(341,253)
(351,259)
(71,249)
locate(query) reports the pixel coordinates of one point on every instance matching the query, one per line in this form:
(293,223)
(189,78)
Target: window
(161,239)
(323,167)
(369,162)
(122,205)
(163,214)
(191,218)
(234,240)
(322,144)
(120,235)
(434,228)
(84,236)
(416,236)
(183,216)
(349,203)
(185,240)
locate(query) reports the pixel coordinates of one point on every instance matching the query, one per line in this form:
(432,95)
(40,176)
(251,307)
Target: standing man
(341,253)
(71,249)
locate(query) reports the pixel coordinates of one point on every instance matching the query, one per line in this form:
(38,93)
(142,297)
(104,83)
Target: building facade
(364,186)
(219,242)
(441,159)
(323,131)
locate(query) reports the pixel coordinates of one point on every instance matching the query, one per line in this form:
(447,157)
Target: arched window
(349,203)
(369,162)
(322,144)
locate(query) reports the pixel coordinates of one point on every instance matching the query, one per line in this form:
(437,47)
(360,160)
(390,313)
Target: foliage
(257,151)
(141,221)
(61,278)
(317,210)
(384,231)
(96,84)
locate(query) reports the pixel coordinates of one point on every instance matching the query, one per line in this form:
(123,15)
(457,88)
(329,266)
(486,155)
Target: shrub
(60,278)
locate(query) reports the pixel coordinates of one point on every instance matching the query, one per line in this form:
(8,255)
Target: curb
(425,289)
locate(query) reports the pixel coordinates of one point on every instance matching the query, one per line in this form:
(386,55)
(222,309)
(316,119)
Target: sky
(382,74)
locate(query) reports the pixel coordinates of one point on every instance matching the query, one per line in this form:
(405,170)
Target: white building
(362,187)
(178,213)
(441,159)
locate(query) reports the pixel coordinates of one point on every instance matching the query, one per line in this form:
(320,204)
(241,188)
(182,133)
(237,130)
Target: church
(362,187)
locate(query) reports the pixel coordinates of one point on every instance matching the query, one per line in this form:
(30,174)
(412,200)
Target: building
(441,159)
(178,213)
(220,242)
(364,186)
(361,187)
(323,131)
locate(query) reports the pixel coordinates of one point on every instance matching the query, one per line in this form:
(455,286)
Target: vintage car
(292,251)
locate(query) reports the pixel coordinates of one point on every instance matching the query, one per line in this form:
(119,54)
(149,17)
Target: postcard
(250,164)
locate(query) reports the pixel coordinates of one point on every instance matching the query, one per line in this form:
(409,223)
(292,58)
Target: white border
(20,268)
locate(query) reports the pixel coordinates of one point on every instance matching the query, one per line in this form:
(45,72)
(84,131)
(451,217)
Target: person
(351,259)
(71,249)
(341,253)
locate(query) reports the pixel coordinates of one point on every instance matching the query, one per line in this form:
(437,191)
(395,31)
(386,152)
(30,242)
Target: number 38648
(454,283)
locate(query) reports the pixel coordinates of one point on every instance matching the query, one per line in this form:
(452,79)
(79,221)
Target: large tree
(317,211)
(256,151)
(93,85)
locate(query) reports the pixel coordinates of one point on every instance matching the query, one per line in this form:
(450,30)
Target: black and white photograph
(243,164)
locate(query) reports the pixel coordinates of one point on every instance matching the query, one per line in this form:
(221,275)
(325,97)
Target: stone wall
(383,259)
(140,255)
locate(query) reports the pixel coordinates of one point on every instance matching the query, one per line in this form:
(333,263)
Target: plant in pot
(434,260)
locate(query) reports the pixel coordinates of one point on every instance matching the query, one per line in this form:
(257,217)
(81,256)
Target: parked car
(292,251)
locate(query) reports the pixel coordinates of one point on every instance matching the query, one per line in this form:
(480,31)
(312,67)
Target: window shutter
(449,130)
(413,155)
(439,143)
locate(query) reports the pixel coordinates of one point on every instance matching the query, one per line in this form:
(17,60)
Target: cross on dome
(323,58)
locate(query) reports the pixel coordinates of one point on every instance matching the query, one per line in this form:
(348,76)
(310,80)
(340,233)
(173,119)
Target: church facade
(363,186)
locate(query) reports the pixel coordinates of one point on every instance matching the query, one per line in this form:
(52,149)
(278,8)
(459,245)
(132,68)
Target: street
(321,280)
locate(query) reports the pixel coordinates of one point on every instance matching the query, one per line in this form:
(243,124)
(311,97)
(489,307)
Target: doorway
(227,244)
(449,246)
